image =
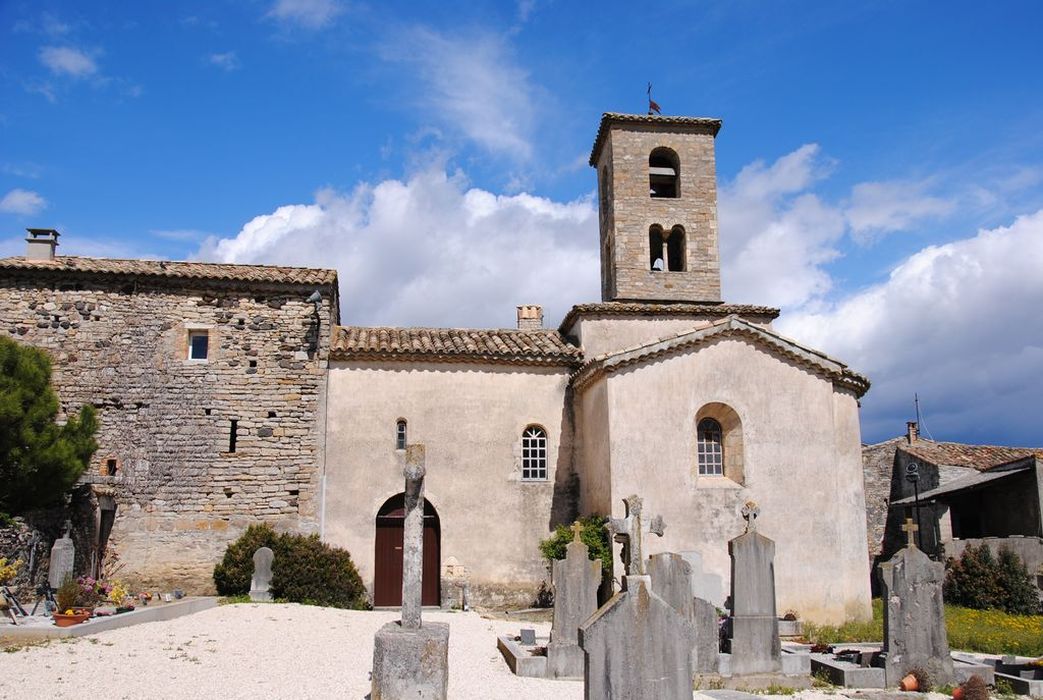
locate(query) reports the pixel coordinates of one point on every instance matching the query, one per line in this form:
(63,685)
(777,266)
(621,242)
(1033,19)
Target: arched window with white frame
(710,447)
(534,454)
(400,434)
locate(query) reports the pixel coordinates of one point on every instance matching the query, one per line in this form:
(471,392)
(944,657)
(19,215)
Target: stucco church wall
(180,495)
(608,334)
(802,465)
(593,451)
(471,418)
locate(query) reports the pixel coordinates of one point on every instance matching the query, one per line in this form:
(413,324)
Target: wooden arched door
(387,573)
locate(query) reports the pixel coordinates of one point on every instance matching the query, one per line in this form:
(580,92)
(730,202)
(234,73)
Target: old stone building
(960,495)
(228,395)
(661,389)
(208,380)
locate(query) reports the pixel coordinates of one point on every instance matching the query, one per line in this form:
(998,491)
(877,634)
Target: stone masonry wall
(625,160)
(181,494)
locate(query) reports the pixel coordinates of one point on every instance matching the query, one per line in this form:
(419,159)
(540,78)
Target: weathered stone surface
(637,647)
(627,530)
(576,579)
(705,585)
(120,343)
(914,617)
(672,581)
(754,644)
(63,555)
(411,664)
(262,577)
(413,537)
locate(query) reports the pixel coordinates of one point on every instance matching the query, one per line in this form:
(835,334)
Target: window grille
(534,454)
(400,435)
(710,449)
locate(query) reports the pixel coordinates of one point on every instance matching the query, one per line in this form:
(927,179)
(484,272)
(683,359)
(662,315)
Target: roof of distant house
(506,346)
(710,124)
(270,274)
(957,454)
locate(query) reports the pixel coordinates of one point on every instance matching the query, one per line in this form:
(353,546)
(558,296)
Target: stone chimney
(42,242)
(912,431)
(530,317)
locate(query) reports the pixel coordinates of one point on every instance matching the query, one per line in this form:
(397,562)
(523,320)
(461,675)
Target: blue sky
(880,165)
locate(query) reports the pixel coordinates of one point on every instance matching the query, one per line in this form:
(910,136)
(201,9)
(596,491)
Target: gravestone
(705,584)
(672,581)
(914,617)
(63,556)
(636,645)
(410,658)
(262,578)
(754,643)
(575,579)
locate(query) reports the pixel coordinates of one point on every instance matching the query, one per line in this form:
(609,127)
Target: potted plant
(67,597)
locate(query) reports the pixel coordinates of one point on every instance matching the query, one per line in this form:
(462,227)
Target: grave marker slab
(63,557)
(754,644)
(262,578)
(672,581)
(575,579)
(914,616)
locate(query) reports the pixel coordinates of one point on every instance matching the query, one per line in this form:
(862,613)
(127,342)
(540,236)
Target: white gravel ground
(268,651)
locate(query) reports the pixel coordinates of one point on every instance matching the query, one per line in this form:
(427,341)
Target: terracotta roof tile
(609,118)
(957,454)
(664,310)
(273,274)
(527,347)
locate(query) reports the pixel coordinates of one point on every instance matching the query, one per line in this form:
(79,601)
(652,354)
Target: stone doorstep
(39,628)
(518,658)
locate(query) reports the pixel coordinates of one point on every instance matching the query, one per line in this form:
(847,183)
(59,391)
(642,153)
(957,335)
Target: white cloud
(769,223)
(883,207)
(310,14)
(227,61)
(22,202)
(957,323)
(430,251)
(66,60)
(470,85)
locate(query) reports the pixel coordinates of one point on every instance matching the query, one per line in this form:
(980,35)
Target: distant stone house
(208,380)
(967,495)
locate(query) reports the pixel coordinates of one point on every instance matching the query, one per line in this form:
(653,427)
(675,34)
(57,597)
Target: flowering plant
(92,590)
(118,593)
(8,571)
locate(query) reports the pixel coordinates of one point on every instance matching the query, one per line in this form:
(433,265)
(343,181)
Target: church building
(661,390)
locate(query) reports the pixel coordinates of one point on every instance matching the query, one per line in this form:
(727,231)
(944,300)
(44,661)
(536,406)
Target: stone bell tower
(657,195)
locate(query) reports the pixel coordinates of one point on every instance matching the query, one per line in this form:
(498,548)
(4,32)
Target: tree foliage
(593,534)
(39,459)
(980,581)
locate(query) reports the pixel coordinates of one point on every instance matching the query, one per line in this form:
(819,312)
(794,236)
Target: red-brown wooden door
(387,575)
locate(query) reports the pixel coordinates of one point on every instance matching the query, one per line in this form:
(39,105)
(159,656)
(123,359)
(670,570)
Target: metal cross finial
(628,531)
(910,529)
(750,512)
(577,530)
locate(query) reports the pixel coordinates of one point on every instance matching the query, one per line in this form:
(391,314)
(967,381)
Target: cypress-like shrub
(232,576)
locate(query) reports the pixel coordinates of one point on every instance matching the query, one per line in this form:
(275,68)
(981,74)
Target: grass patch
(988,631)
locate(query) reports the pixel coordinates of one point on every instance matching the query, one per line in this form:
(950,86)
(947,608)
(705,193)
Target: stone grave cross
(910,528)
(627,530)
(577,530)
(750,512)
(413,537)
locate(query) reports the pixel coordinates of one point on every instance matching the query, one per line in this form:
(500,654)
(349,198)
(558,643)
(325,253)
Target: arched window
(400,434)
(534,454)
(664,171)
(656,263)
(710,447)
(675,249)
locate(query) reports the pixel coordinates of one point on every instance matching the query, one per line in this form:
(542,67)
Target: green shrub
(307,570)
(304,569)
(978,581)
(593,534)
(232,576)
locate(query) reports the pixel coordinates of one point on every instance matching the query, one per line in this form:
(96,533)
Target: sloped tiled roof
(521,347)
(609,118)
(272,274)
(661,310)
(957,454)
(732,326)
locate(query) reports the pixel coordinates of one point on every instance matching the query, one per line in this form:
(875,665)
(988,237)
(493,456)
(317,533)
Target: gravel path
(260,651)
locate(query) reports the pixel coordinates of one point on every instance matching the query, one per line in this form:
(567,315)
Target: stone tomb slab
(671,580)
(575,579)
(522,660)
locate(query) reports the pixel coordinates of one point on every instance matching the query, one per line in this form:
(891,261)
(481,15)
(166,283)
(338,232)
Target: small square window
(198,345)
